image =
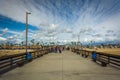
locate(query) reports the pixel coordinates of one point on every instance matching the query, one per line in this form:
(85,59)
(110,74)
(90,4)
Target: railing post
(11,61)
(108,59)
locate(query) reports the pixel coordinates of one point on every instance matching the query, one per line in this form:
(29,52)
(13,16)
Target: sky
(60,20)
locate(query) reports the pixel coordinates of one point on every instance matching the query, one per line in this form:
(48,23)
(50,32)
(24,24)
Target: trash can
(28,56)
(94,56)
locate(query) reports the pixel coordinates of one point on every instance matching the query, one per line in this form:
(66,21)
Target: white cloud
(4,31)
(53,27)
(68,30)
(93,21)
(2,39)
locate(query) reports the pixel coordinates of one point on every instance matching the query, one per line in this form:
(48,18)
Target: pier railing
(12,61)
(103,58)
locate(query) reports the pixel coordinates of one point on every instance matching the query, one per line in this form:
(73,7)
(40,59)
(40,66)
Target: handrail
(10,61)
(104,58)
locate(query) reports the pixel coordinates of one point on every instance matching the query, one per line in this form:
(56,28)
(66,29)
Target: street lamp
(27,13)
(78,39)
(78,43)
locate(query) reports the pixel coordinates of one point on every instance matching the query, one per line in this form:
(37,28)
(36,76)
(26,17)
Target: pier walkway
(64,66)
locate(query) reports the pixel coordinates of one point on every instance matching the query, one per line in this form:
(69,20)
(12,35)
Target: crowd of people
(57,49)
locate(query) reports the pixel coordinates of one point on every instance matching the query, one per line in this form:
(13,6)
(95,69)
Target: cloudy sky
(62,20)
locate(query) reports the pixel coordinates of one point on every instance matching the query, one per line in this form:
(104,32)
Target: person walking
(56,49)
(60,50)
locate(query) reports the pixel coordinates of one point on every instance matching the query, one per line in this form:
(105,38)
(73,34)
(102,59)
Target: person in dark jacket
(60,50)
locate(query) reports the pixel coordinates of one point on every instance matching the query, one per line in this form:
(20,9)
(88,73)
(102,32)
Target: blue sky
(60,20)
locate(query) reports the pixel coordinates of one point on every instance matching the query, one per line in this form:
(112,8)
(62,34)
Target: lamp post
(78,43)
(27,13)
(78,39)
